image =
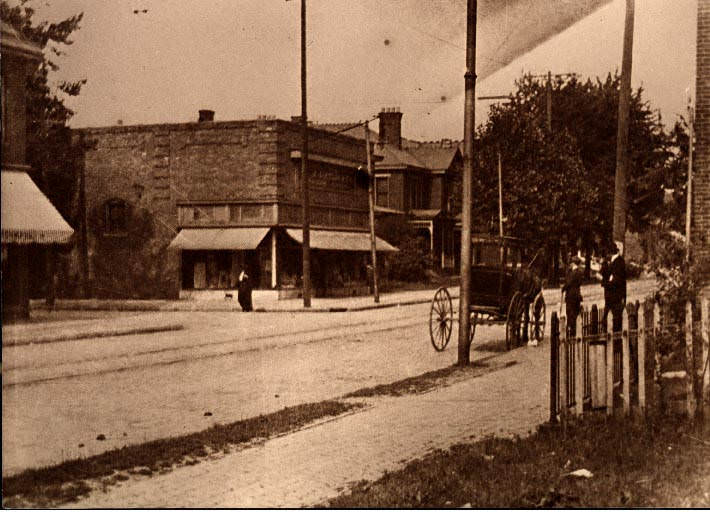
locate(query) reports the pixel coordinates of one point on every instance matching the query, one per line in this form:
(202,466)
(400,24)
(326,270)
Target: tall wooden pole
(464,347)
(304,169)
(689,188)
(500,195)
(549,101)
(622,135)
(371,204)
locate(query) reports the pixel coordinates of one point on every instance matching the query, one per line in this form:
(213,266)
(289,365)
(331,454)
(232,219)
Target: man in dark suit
(615,289)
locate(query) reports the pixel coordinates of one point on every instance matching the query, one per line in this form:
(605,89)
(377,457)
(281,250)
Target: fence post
(690,363)
(579,367)
(597,362)
(562,358)
(657,337)
(554,359)
(705,333)
(625,362)
(609,365)
(641,355)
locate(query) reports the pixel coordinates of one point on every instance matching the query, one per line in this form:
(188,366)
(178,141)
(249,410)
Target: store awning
(27,215)
(216,239)
(340,240)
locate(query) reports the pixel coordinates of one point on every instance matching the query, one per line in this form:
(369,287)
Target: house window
(382,191)
(115,214)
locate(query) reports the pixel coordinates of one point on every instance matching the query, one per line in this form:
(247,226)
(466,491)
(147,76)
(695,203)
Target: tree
(411,262)
(545,193)
(577,159)
(48,136)
(50,153)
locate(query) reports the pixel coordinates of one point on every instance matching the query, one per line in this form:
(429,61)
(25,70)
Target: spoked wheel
(441,319)
(513,324)
(538,318)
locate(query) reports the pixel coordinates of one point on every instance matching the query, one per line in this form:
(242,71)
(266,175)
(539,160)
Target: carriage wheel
(538,318)
(514,321)
(441,319)
(474,321)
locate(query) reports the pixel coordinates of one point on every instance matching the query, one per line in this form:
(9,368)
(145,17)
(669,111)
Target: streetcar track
(192,357)
(193,346)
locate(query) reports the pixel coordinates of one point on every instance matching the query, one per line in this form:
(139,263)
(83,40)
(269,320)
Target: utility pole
(464,348)
(371,204)
(500,175)
(500,197)
(555,246)
(622,135)
(548,93)
(306,245)
(689,188)
(549,101)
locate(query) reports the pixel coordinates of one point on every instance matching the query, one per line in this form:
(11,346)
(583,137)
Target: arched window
(115,213)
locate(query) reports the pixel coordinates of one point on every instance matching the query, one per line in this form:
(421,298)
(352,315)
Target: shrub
(412,260)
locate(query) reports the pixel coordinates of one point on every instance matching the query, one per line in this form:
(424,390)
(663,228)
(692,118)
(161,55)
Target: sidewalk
(137,317)
(309,466)
(145,323)
(318,305)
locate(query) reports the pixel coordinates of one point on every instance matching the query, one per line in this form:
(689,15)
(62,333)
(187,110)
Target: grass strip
(64,482)
(653,463)
(426,381)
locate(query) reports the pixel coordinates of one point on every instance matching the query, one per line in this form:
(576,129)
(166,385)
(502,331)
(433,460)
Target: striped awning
(219,239)
(27,215)
(340,240)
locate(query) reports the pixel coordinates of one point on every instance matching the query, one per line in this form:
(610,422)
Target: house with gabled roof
(418,180)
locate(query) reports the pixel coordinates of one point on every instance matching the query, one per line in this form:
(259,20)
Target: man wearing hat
(614,283)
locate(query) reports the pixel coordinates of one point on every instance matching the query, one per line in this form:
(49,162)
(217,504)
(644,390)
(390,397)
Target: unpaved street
(59,397)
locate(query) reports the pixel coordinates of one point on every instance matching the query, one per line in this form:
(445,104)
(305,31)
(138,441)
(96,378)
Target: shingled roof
(434,155)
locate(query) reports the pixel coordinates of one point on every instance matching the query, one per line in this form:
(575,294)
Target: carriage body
(495,262)
(504,289)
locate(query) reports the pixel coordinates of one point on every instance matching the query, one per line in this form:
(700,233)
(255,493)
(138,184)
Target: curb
(95,306)
(17,342)
(347,309)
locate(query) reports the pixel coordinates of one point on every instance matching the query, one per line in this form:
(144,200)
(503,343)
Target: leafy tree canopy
(48,137)
(558,185)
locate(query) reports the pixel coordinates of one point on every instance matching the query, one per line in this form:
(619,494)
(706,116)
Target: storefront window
(217,270)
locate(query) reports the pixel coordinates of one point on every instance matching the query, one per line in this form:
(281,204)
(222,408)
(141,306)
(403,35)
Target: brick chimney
(391,127)
(206,116)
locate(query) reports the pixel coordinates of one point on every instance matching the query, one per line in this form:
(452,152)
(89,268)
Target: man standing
(572,298)
(244,291)
(616,285)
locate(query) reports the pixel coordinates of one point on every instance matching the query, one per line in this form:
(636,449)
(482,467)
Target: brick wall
(214,161)
(154,168)
(131,165)
(701,201)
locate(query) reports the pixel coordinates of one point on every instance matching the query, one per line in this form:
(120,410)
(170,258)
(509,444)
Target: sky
(241,58)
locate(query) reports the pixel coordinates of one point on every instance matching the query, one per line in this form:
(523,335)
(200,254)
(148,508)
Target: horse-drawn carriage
(504,289)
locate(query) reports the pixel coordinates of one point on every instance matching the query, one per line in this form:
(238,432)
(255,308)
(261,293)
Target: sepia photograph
(355,254)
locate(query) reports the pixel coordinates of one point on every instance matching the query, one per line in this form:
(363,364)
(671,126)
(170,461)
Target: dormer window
(116,211)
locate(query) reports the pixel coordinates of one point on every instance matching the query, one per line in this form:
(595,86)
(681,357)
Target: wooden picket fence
(597,369)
